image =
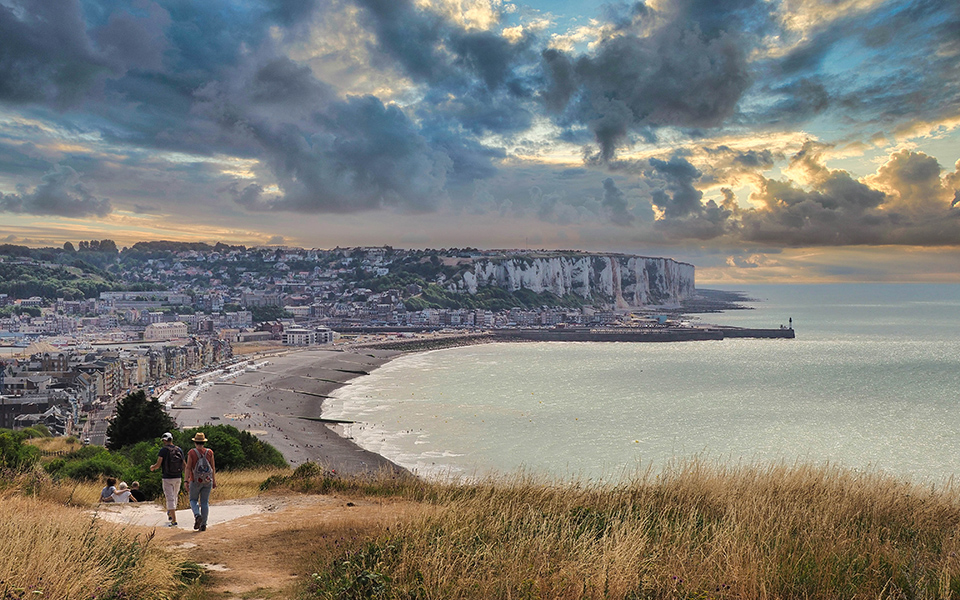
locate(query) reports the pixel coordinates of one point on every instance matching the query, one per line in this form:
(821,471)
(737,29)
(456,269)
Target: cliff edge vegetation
(695,530)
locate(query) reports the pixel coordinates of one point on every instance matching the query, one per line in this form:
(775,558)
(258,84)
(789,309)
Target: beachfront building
(298,336)
(156,332)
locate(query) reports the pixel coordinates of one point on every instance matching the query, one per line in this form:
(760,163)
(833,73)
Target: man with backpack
(201,478)
(170,461)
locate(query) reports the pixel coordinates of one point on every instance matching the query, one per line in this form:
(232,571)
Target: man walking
(170,461)
(201,478)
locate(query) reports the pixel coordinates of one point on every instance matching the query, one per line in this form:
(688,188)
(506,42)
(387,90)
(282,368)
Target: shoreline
(294,385)
(282,404)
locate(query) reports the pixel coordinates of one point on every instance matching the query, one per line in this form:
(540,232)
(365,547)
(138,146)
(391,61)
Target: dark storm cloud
(615,204)
(688,69)
(800,100)
(291,12)
(430,49)
(411,37)
(755,159)
(135,39)
(60,193)
(368,156)
(283,81)
(676,195)
(472,76)
(469,159)
(206,79)
(45,55)
(211,79)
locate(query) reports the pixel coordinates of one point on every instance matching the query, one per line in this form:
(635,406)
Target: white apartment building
(298,336)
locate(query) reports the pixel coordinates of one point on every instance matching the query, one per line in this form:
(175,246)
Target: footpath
(259,548)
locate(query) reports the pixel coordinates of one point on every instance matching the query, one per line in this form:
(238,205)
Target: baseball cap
(167,436)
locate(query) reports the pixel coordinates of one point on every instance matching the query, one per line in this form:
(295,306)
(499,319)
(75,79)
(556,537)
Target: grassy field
(693,531)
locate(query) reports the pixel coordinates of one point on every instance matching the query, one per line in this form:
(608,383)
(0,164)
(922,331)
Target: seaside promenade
(281,403)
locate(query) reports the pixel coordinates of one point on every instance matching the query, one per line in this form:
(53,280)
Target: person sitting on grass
(122,494)
(106,494)
(135,492)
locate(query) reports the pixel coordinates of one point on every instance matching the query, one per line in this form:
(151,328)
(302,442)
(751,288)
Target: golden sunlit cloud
(470,14)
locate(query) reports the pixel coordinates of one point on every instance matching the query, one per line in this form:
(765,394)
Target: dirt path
(261,547)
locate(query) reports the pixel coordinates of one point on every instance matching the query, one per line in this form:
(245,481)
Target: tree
(268,313)
(138,419)
(69,247)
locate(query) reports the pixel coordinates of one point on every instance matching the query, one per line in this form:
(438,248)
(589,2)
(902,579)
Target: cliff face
(625,281)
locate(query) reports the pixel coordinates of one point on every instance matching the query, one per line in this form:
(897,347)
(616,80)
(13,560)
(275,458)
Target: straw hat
(199,437)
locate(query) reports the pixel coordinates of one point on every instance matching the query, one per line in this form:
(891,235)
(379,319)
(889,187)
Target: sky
(760,140)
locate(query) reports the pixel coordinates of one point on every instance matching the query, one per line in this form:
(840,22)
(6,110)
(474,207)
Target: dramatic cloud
(914,184)
(614,204)
(687,68)
(368,156)
(666,121)
(836,209)
(45,55)
(60,193)
(677,196)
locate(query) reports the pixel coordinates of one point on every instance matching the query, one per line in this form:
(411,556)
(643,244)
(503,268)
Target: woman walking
(201,478)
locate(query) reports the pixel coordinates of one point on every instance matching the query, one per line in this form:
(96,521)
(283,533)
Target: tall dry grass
(236,485)
(695,530)
(51,551)
(56,444)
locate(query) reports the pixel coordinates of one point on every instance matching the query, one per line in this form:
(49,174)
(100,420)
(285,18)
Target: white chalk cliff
(622,280)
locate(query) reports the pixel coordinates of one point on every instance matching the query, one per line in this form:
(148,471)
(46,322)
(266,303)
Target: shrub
(91,469)
(14,454)
(233,449)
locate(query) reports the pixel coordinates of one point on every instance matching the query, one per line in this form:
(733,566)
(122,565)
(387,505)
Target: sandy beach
(278,401)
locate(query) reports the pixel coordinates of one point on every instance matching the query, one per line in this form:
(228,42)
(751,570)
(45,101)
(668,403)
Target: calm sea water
(872,381)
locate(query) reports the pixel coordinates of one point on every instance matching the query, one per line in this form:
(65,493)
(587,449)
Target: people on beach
(201,478)
(171,462)
(122,494)
(135,492)
(106,494)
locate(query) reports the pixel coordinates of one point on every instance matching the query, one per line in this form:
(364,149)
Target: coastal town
(81,328)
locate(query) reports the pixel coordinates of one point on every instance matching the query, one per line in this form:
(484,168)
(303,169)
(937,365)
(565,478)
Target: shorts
(171,489)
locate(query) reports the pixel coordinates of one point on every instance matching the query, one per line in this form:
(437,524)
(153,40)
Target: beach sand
(276,403)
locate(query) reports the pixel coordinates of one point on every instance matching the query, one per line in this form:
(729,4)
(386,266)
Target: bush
(14,454)
(233,449)
(91,469)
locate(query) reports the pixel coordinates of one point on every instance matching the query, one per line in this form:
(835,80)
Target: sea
(871,382)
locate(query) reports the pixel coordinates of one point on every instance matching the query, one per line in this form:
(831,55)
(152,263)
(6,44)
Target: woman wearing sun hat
(201,479)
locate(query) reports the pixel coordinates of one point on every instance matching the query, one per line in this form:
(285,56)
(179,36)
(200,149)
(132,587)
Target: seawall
(624,334)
